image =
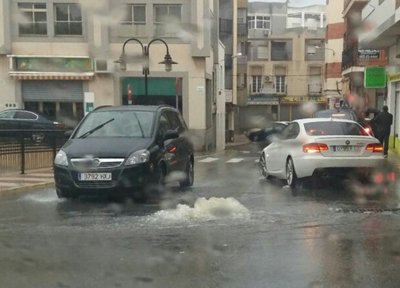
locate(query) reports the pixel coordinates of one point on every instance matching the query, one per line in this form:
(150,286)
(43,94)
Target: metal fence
(22,150)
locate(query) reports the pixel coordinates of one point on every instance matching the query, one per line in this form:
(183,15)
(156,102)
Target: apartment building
(54,54)
(333,55)
(355,59)
(286,58)
(381,22)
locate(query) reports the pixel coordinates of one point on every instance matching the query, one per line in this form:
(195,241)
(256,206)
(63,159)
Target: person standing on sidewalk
(384,121)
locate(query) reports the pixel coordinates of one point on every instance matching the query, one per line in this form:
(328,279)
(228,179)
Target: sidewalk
(239,140)
(14,183)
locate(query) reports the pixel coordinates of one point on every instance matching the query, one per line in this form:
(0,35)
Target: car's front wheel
(262,167)
(189,175)
(291,176)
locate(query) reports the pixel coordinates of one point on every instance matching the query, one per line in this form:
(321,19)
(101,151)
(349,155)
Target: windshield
(334,129)
(125,124)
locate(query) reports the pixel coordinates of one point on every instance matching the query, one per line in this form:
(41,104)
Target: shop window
(135,15)
(32,106)
(68,19)
(33,19)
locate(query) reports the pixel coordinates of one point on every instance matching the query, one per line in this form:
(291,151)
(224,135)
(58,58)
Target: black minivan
(127,150)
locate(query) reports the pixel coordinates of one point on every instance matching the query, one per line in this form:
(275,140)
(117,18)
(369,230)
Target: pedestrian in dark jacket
(384,121)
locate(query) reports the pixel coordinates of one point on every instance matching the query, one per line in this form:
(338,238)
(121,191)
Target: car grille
(96,163)
(95,185)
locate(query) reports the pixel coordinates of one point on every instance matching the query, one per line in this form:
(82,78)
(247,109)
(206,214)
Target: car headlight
(141,156)
(61,159)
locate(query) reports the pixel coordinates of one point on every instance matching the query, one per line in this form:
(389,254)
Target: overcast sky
(295,2)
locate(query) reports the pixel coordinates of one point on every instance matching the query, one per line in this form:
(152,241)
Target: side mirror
(171,134)
(68,133)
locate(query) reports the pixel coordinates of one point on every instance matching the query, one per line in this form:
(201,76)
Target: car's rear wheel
(189,175)
(262,167)
(291,177)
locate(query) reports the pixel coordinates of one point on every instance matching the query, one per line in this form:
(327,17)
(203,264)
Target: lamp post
(168,62)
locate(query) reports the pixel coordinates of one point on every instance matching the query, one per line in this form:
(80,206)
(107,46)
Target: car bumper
(318,164)
(125,180)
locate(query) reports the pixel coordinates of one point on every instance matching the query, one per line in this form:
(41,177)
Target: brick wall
(335,31)
(334,70)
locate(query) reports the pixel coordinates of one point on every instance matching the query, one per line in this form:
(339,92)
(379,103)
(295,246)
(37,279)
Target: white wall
(220,141)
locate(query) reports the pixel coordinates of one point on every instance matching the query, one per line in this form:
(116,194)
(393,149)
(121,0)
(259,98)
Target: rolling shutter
(52,91)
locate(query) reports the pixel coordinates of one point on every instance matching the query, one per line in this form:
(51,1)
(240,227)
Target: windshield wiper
(140,125)
(95,129)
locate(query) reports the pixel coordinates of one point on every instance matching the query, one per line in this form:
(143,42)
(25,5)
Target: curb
(25,189)
(237,144)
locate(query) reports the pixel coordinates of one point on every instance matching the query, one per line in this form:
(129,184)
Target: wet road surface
(252,234)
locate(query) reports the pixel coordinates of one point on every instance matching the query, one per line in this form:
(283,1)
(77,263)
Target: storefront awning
(51,76)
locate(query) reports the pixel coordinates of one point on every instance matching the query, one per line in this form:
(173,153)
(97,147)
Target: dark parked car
(264,136)
(125,150)
(18,119)
(346,114)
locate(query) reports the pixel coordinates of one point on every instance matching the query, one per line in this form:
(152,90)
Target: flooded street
(229,230)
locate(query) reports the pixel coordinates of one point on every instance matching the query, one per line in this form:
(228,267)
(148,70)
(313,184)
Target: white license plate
(94,177)
(346,148)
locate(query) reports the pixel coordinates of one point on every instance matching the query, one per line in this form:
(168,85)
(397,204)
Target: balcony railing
(351,58)
(225,26)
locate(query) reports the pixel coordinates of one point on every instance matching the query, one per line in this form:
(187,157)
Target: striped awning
(51,76)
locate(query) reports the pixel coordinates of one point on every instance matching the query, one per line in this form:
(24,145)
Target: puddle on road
(203,210)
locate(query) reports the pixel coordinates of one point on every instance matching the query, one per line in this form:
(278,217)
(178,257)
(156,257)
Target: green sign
(157,86)
(375,77)
(54,64)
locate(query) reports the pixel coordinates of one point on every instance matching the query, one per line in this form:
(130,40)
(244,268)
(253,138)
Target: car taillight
(315,148)
(376,147)
(59,125)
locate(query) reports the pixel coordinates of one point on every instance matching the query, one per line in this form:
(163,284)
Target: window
(20,115)
(262,52)
(280,84)
(257,84)
(334,129)
(135,15)
(68,19)
(287,132)
(174,120)
(164,124)
(281,50)
(33,19)
(167,13)
(259,22)
(295,131)
(7,115)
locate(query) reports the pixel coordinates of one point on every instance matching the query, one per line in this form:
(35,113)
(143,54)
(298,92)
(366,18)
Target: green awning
(157,86)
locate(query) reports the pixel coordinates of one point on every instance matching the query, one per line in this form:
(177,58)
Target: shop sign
(303,99)
(394,77)
(375,77)
(53,64)
(262,100)
(368,54)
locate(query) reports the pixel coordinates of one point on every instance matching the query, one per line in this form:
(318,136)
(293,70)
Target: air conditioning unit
(267,32)
(104,66)
(267,79)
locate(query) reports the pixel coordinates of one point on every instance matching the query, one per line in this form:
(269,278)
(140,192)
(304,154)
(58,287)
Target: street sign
(375,77)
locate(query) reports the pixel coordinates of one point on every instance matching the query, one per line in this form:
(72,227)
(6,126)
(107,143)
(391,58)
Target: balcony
(352,57)
(225,26)
(356,5)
